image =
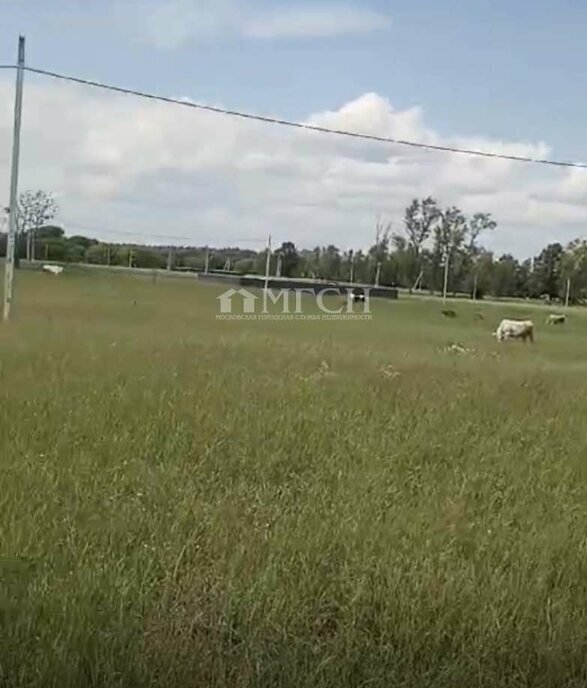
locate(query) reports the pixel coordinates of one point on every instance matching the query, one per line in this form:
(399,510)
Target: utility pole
(170,259)
(130,257)
(268,263)
(568,294)
(207,263)
(108,255)
(378,274)
(13,207)
(279,265)
(446,265)
(352,268)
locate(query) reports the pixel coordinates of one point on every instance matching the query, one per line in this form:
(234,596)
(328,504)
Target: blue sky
(505,69)
(490,72)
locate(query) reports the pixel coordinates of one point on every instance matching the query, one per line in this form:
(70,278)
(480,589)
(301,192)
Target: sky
(490,75)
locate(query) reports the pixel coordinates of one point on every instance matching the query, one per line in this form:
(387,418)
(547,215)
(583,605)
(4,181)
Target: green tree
(50,232)
(330,263)
(379,255)
(573,267)
(420,219)
(82,241)
(290,259)
(545,278)
(74,252)
(505,277)
(449,237)
(245,265)
(35,209)
(149,258)
(98,254)
(479,223)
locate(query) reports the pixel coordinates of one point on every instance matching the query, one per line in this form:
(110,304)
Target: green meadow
(194,503)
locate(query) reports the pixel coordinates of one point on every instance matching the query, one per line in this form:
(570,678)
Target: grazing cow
(556,319)
(515,329)
(53,269)
(448,313)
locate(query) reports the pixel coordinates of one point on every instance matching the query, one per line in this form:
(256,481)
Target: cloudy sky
(483,74)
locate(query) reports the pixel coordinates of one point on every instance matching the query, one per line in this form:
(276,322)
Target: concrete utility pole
(352,280)
(268,263)
(378,274)
(446,266)
(13,207)
(206,265)
(568,294)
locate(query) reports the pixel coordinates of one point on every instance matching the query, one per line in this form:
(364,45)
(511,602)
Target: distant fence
(258,282)
(229,279)
(119,269)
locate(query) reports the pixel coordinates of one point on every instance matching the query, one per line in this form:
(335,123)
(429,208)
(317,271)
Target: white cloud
(172,23)
(120,165)
(314,21)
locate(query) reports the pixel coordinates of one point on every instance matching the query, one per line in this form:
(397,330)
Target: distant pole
(475,287)
(207,263)
(446,265)
(568,295)
(9,264)
(46,250)
(279,265)
(130,256)
(108,255)
(268,263)
(169,259)
(378,274)
(353,268)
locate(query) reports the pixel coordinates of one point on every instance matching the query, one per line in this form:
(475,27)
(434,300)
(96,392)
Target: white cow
(515,329)
(53,269)
(556,319)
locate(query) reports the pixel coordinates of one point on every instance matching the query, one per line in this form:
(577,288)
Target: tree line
(434,247)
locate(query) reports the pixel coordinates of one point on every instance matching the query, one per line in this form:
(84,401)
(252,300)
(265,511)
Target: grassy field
(194,503)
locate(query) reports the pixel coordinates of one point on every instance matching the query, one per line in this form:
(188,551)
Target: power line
(100,230)
(300,125)
(69,223)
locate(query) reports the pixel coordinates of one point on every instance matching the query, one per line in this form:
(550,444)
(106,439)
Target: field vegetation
(189,502)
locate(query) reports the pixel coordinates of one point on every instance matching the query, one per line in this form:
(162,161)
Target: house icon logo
(228,298)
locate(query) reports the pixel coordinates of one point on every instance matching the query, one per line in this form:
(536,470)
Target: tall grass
(194,503)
